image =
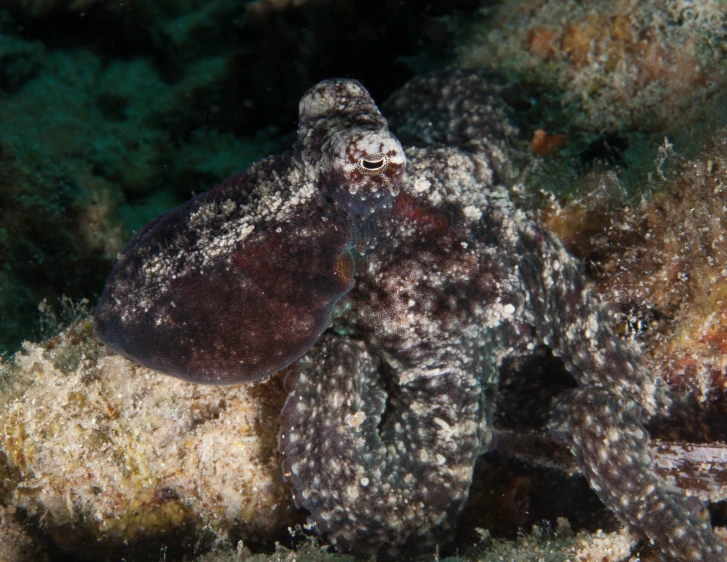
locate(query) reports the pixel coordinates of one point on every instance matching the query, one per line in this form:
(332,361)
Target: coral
(665,272)
(109,457)
(660,263)
(618,64)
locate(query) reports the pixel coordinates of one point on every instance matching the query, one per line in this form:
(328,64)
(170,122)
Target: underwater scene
(308,280)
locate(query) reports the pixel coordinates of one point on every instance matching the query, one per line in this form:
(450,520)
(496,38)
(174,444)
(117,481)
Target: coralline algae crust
(109,454)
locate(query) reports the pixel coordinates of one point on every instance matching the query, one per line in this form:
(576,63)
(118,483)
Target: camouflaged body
(428,278)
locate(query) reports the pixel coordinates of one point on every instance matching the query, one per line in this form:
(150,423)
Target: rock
(113,458)
(619,65)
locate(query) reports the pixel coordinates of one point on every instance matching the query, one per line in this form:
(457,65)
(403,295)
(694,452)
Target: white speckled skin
(389,410)
(387,414)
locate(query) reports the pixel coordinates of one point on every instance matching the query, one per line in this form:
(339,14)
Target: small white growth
(229,207)
(352,493)
(472,213)
(355,420)
(422,184)
(497,313)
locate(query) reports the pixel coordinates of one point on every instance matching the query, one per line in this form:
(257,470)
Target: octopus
(392,283)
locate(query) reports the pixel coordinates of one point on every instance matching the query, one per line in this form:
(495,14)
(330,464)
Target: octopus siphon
(392,282)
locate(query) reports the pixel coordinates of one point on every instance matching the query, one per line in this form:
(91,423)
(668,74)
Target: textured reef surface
(620,65)
(440,280)
(118,459)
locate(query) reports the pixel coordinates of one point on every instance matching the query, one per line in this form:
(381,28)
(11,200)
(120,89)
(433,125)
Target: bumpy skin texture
(388,411)
(240,281)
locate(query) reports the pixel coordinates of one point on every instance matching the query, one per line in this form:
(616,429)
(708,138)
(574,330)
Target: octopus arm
(379,469)
(606,436)
(601,420)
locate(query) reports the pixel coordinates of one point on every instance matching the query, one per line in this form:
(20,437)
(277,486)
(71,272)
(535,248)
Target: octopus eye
(374,163)
(362,169)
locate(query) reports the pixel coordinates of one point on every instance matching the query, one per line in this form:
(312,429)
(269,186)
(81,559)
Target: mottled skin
(389,410)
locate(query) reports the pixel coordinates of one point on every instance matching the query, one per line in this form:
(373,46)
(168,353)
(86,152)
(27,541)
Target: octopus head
(360,161)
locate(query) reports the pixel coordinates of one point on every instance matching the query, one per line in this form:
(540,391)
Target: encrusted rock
(106,454)
(619,64)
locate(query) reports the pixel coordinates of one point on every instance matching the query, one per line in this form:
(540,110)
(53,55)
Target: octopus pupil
(372,164)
